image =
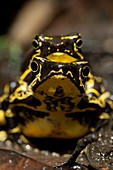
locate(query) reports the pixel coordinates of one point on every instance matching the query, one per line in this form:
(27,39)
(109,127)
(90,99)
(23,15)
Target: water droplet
(28,147)
(55,154)
(10,161)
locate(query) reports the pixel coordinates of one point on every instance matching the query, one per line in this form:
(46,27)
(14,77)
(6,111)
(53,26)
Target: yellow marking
(40,37)
(23,76)
(85,150)
(35,80)
(91,76)
(2,118)
(88,91)
(80,62)
(6,93)
(89,84)
(22,92)
(104,96)
(80,55)
(110,102)
(78,41)
(38,52)
(67,50)
(8,143)
(14,130)
(40,43)
(81,84)
(58,127)
(98,102)
(3,136)
(104,115)
(98,79)
(9,113)
(99,99)
(20,96)
(35,41)
(75,47)
(22,137)
(70,37)
(26,106)
(70,73)
(48,38)
(3,97)
(35,108)
(102,99)
(102,88)
(49,48)
(6,89)
(37,57)
(60,57)
(92,129)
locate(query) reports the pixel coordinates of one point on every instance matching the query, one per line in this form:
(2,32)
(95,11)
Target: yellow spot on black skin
(48,38)
(38,52)
(104,116)
(9,113)
(2,118)
(14,130)
(70,37)
(3,135)
(60,57)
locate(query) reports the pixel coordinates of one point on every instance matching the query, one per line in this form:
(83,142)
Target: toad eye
(79,43)
(85,71)
(34,66)
(35,44)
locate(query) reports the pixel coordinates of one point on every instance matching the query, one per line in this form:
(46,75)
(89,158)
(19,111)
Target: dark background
(20,20)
